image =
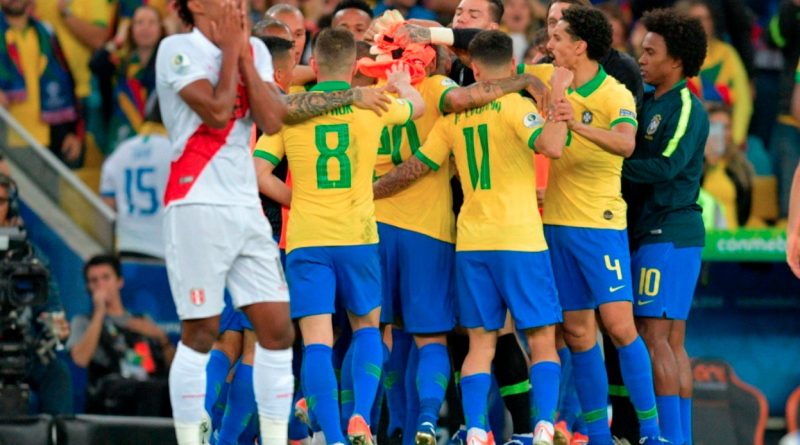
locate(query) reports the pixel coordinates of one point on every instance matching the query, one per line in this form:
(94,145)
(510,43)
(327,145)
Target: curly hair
(684,36)
(184,13)
(590,25)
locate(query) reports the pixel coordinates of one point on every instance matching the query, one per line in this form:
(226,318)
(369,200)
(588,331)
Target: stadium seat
(793,411)
(725,409)
(114,430)
(26,430)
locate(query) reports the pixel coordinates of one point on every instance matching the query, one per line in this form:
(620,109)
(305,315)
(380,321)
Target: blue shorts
(490,282)
(665,277)
(417,273)
(592,266)
(317,275)
(233,319)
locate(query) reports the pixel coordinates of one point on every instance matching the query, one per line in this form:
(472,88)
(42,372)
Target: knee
(579,337)
(277,337)
(621,331)
(199,335)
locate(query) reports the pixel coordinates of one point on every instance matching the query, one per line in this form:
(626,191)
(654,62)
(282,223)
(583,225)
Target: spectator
(784,145)
(127,75)
(410,9)
(728,175)
(127,355)
(518,24)
(353,15)
(723,77)
(35,82)
(133,181)
(127,9)
(274,28)
(47,375)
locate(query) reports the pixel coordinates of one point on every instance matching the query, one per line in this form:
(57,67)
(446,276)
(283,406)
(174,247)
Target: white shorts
(211,247)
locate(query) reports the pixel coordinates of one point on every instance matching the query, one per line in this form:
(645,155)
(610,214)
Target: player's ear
(314,67)
(513,67)
(581,46)
(476,71)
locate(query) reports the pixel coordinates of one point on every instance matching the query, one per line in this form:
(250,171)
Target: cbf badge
(587,117)
(653,126)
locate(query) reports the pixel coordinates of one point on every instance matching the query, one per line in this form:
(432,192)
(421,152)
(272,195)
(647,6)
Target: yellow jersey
(96,12)
(585,188)
(29,112)
(426,206)
(492,146)
(332,160)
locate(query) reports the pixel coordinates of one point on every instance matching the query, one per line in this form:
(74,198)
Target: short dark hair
(590,25)
(333,47)
(184,13)
(103,260)
(354,4)
(492,48)
(497,9)
(684,36)
(571,2)
(278,47)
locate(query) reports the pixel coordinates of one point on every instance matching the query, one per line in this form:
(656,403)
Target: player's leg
(241,405)
(196,267)
(411,395)
(394,381)
(433,374)
(677,339)
(511,370)
(655,333)
(219,371)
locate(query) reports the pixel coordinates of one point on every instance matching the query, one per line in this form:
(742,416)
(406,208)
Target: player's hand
(100,300)
(397,75)
(560,111)
(71,147)
(372,99)
(226,30)
(560,80)
(793,253)
(408,34)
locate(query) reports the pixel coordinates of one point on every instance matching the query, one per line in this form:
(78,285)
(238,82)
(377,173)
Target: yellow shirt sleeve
(270,148)
(621,107)
(541,71)
(440,85)
(436,150)
(526,121)
(400,111)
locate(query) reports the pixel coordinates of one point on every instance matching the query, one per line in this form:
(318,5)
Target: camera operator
(127,355)
(45,324)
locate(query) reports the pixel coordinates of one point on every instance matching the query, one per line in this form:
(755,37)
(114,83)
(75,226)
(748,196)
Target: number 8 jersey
(332,160)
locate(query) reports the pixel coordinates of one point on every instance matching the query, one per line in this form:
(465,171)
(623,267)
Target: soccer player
(501,256)
(584,217)
(216,235)
(332,239)
(294,19)
(354,16)
(661,186)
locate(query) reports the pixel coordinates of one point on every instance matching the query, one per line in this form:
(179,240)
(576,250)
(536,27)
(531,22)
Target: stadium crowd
(81,77)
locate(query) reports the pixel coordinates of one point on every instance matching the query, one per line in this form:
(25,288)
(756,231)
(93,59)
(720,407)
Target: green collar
(331,85)
(681,83)
(591,86)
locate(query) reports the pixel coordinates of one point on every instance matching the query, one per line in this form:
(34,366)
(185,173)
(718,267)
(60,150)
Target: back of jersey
(135,175)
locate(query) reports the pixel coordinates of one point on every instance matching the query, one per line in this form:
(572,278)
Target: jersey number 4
(338,153)
(476,174)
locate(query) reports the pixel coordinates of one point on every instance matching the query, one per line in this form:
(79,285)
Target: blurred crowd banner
(61,185)
(756,245)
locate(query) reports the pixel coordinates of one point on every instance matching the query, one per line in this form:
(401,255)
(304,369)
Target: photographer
(41,328)
(127,355)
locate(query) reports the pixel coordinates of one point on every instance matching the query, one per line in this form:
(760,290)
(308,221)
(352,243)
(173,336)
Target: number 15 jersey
(332,160)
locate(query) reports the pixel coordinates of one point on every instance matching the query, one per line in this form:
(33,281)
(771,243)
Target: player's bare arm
(482,93)
(270,185)
(793,229)
(266,104)
(400,178)
(215,104)
(304,106)
(796,101)
(554,133)
(620,140)
(399,82)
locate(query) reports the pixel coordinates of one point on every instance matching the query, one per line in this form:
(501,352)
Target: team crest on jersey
(180,63)
(532,120)
(587,117)
(653,126)
(197,296)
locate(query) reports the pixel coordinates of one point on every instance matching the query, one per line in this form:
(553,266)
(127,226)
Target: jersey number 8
(338,152)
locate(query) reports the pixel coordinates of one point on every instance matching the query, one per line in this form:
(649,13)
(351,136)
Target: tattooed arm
(400,178)
(304,106)
(482,93)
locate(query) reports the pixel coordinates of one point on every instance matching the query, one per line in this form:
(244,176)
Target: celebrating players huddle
(372,241)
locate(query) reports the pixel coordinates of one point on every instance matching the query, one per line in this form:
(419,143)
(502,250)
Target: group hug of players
(372,241)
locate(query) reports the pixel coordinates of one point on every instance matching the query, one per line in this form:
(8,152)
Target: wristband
(442,36)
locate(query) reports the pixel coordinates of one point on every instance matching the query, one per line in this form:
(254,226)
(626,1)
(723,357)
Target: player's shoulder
(543,71)
(612,90)
(438,80)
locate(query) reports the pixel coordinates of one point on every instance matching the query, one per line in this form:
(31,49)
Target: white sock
(273,384)
(187,390)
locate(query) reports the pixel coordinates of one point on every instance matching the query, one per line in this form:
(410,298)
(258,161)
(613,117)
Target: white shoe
(318,439)
(543,433)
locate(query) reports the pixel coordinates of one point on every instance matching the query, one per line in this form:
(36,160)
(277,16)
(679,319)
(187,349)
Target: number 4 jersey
(332,160)
(135,175)
(493,148)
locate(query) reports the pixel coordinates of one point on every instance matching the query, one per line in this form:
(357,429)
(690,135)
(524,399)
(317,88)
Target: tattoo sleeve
(304,106)
(399,178)
(482,93)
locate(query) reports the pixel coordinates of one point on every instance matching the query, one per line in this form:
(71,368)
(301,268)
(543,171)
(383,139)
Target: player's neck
(584,71)
(334,78)
(668,83)
(204,26)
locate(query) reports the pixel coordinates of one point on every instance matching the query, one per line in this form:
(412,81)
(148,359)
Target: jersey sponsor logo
(626,113)
(587,117)
(532,120)
(613,289)
(197,297)
(653,126)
